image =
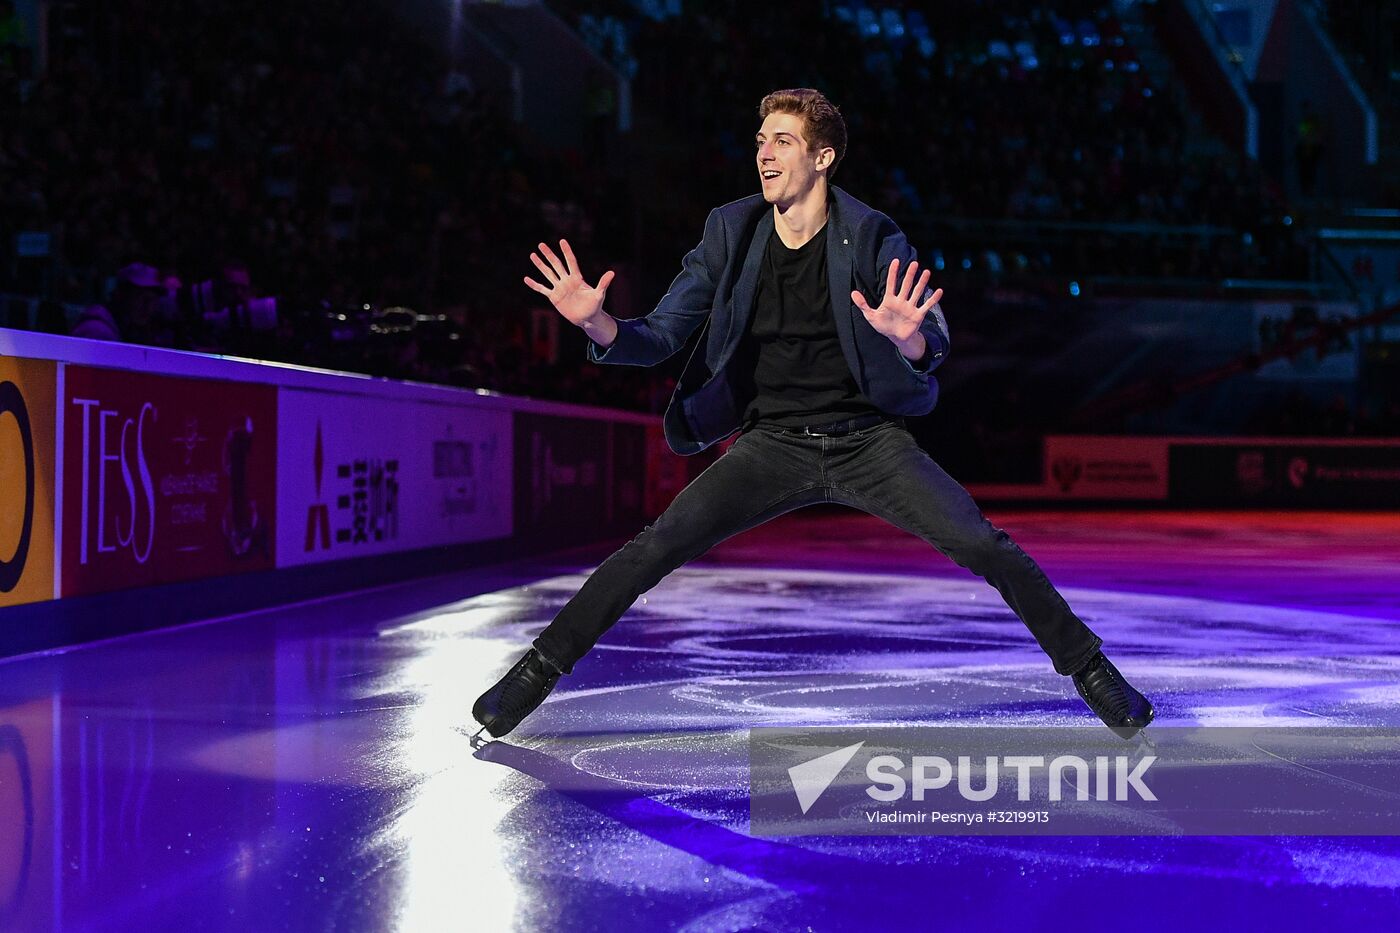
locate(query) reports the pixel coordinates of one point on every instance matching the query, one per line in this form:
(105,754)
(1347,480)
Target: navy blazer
(716,288)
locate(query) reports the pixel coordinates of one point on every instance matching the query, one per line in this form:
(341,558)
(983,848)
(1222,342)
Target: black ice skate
(516,695)
(1112,698)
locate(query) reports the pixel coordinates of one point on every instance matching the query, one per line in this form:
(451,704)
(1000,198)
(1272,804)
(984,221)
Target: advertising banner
(1245,473)
(579,478)
(1106,467)
(27,471)
(363,476)
(164,478)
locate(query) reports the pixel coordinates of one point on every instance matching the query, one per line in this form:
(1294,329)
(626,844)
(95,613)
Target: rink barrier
(1212,472)
(145,487)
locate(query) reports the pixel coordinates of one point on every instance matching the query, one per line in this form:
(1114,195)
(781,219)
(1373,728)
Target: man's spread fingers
(931,300)
(546,271)
(570,262)
(906,291)
(553,260)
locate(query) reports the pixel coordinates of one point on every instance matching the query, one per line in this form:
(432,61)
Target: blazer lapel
(746,287)
(839,282)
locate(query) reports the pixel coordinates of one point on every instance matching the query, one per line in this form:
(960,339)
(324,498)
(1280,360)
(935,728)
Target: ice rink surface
(309,768)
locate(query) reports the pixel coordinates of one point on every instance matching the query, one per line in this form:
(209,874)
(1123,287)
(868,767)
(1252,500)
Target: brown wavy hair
(822,123)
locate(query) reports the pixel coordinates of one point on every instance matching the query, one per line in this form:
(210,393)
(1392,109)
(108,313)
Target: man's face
(782,150)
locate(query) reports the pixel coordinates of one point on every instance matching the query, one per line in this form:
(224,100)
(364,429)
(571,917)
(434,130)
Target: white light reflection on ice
(450,878)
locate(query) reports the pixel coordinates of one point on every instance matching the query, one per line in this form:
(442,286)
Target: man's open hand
(898,316)
(571,296)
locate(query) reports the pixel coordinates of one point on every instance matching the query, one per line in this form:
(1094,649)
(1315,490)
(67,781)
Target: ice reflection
(455,862)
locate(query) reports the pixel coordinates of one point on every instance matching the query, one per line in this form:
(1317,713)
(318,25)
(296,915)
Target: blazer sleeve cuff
(922,365)
(933,355)
(626,331)
(599,354)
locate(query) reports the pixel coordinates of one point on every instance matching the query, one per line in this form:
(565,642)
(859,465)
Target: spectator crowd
(314,183)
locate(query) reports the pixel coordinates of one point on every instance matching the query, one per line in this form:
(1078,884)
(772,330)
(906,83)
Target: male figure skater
(818,376)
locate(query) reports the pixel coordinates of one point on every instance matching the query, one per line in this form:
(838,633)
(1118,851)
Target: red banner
(165,479)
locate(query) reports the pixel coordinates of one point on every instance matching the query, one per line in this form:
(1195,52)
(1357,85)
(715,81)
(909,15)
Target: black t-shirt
(792,368)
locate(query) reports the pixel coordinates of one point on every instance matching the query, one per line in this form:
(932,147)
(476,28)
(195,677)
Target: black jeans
(766,473)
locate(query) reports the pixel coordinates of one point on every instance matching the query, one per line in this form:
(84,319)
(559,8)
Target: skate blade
(477,741)
(1137,734)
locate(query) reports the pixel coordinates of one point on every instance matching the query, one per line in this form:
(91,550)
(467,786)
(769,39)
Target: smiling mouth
(769,177)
